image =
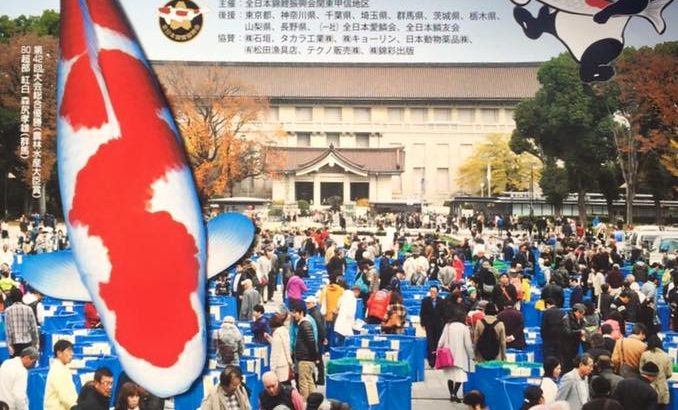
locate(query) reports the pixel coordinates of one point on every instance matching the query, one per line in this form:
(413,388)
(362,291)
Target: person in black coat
(301,268)
(431,316)
(485,280)
(573,334)
(96,395)
(514,326)
(551,329)
(600,396)
(554,292)
(636,392)
(504,294)
(336,266)
(386,270)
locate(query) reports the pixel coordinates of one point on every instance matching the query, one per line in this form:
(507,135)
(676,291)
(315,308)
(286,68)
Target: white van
(663,245)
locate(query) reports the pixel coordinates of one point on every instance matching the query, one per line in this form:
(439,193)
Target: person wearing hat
(573,334)
(533,396)
(655,354)
(600,396)
(636,392)
(229,343)
(14,378)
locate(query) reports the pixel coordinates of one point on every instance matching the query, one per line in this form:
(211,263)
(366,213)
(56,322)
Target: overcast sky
(500,40)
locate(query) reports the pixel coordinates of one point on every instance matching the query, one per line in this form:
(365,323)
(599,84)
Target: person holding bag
(455,337)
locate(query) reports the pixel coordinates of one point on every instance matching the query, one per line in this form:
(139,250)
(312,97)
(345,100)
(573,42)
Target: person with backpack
(490,337)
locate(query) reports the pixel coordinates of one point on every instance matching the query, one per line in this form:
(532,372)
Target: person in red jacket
(377,305)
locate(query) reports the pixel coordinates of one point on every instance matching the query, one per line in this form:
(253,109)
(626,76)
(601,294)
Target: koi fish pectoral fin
(229,236)
(55,275)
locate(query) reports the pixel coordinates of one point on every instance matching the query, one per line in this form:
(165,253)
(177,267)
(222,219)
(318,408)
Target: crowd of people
(480,316)
(476,314)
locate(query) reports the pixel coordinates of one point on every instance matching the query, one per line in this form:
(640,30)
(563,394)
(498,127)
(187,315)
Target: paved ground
(429,394)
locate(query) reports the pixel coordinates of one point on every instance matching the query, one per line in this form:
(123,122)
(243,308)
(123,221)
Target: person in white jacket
(281,355)
(456,336)
(343,324)
(14,378)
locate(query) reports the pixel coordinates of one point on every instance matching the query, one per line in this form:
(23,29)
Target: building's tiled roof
(486,81)
(370,160)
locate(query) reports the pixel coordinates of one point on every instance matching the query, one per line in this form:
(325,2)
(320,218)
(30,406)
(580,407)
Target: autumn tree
(644,94)
(218,118)
(508,171)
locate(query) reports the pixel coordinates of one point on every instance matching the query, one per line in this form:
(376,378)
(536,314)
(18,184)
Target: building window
(362,140)
(442,155)
(508,117)
(418,180)
(304,113)
(362,114)
(418,154)
(395,114)
(417,114)
(332,139)
(490,115)
(303,191)
(442,180)
(303,139)
(441,114)
(360,190)
(466,115)
(332,114)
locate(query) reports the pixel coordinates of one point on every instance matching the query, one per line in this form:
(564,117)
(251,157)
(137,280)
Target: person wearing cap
(600,396)
(655,354)
(627,352)
(636,392)
(573,334)
(574,387)
(14,378)
(534,396)
(229,343)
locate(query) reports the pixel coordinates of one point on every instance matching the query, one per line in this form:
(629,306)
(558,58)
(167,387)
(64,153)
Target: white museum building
(390,133)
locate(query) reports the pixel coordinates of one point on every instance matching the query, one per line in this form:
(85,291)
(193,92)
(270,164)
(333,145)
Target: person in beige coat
(457,337)
(655,354)
(281,355)
(490,312)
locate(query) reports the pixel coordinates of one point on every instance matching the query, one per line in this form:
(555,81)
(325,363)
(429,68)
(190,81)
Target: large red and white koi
(130,203)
